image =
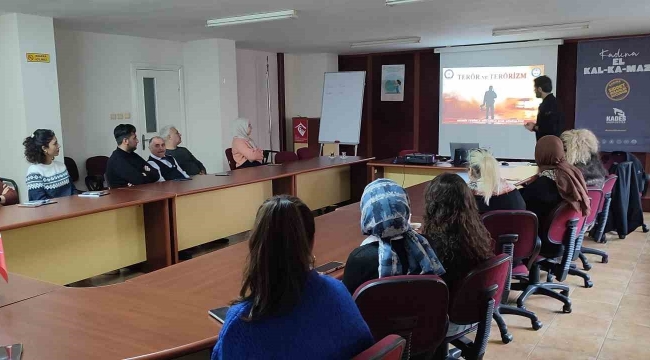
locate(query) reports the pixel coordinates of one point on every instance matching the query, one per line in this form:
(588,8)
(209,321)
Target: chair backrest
(96,165)
(407,152)
(389,348)
(231,159)
(564,228)
(562,222)
(412,306)
(307,153)
(597,199)
(285,157)
(479,286)
(72,168)
(608,186)
(13,184)
(514,222)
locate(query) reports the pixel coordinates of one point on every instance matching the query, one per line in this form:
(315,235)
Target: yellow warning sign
(35,57)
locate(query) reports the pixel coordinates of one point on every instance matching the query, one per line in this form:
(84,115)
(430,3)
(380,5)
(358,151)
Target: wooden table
(161,313)
(199,205)
(21,288)
(408,175)
(77,238)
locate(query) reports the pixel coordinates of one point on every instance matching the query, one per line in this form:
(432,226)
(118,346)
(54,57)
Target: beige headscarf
(240,131)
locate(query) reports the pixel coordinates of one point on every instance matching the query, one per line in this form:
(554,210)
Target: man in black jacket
(549,118)
(125,167)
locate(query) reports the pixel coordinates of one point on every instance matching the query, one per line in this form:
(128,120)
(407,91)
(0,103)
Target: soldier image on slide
(488,103)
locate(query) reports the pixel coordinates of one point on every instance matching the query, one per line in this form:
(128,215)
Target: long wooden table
(163,314)
(412,174)
(77,238)
(198,205)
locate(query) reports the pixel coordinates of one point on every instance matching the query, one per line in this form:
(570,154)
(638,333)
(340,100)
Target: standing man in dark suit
(549,118)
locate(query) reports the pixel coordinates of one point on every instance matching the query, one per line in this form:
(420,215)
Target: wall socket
(113,116)
(120,116)
(127,115)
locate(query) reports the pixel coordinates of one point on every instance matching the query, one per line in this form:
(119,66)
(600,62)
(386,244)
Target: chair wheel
(537,325)
(605,259)
(589,284)
(587,267)
(506,338)
(567,309)
(645,228)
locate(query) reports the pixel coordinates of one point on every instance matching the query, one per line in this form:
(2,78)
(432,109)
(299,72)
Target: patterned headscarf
(385,212)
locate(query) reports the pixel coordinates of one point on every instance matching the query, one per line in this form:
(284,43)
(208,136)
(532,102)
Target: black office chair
(13,184)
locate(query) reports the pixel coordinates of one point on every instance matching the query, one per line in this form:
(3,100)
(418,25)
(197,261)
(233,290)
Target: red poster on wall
(300,130)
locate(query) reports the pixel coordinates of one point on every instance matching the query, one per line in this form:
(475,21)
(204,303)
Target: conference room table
(159,315)
(77,238)
(211,207)
(413,174)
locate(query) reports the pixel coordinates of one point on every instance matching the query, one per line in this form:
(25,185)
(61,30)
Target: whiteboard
(340,118)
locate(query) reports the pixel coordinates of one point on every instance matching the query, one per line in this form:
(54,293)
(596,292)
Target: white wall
(211,98)
(252,94)
(304,76)
(229,107)
(95,81)
(29,97)
(12,107)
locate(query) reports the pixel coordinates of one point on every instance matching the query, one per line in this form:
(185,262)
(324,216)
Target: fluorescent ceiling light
(400,2)
(250,18)
(540,28)
(400,41)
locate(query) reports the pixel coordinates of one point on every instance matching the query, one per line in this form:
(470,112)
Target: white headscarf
(240,131)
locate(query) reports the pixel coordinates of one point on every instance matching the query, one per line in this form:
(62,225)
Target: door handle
(143,141)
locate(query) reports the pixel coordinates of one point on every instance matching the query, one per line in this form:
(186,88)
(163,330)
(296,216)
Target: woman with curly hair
(455,231)
(581,147)
(46,178)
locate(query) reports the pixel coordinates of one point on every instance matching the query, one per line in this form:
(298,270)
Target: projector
(418,158)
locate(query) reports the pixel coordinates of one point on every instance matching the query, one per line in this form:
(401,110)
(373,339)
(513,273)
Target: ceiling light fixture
(251,18)
(400,2)
(540,28)
(400,41)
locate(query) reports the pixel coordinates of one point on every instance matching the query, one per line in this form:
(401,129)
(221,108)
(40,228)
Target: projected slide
(489,95)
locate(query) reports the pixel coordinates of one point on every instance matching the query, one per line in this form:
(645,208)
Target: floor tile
(630,349)
(553,353)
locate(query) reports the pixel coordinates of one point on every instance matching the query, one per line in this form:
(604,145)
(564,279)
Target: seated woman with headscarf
(244,151)
(581,146)
(392,247)
(490,190)
(556,181)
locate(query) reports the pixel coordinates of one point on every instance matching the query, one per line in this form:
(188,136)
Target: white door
(159,103)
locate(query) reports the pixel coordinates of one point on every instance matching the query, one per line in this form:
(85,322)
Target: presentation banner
(490,95)
(300,130)
(613,92)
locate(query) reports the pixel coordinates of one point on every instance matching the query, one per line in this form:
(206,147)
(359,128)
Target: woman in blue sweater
(286,310)
(46,178)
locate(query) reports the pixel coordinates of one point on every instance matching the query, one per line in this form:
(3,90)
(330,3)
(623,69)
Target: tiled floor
(609,321)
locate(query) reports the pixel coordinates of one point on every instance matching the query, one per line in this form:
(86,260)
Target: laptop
(463,155)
